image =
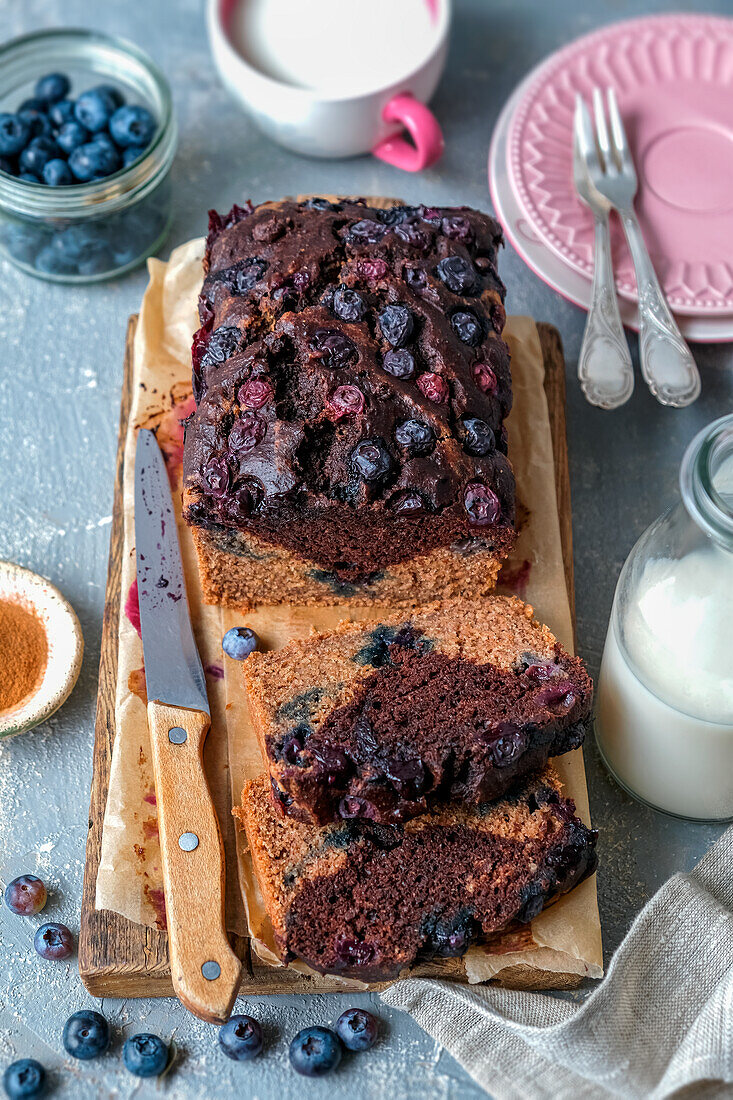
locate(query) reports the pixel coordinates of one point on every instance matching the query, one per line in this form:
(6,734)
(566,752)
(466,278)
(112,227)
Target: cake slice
(377,721)
(365,900)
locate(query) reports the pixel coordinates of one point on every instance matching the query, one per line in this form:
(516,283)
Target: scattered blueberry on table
(315,1051)
(241,1038)
(145,1055)
(25,895)
(239,642)
(93,136)
(53,941)
(86,1035)
(357,1029)
(24,1079)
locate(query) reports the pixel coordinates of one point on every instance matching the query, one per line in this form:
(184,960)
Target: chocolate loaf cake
(378,721)
(365,901)
(351,386)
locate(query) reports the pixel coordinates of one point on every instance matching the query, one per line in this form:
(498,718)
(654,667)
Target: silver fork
(666,361)
(605,369)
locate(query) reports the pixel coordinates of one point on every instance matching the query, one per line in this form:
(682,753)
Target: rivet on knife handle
(204,969)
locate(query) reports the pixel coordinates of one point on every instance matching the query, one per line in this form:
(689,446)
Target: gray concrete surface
(60,372)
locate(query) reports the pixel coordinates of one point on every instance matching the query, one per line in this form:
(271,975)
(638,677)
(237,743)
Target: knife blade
(204,969)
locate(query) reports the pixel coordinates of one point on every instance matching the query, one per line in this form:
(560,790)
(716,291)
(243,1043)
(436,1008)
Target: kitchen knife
(204,969)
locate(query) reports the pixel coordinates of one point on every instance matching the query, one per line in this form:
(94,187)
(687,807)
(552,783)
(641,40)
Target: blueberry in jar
(52,87)
(371,459)
(28,177)
(7,164)
(71,135)
(25,895)
(78,241)
(22,242)
(94,109)
(93,161)
(397,324)
(53,941)
(239,642)
(315,1051)
(38,121)
(145,1055)
(110,91)
(56,173)
(241,1038)
(132,126)
(357,1029)
(36,155)
(86,1035)
(61,112)
(51,262)
(130,155)
(25,1080)
(14,134)
(478,438)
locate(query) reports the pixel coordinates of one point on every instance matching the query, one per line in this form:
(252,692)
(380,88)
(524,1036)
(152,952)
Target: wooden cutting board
(120,959)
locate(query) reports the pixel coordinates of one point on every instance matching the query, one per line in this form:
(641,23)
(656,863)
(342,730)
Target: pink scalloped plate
(673,77)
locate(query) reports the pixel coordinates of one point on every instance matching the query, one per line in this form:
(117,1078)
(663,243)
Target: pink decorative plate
(673,76)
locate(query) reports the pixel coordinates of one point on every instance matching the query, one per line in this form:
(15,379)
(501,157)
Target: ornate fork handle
(604,367)
(667,365)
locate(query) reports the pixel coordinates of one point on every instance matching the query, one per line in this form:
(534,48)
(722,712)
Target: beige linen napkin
(661,1020)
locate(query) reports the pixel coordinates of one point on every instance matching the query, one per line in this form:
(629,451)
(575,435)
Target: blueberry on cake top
(379,720)
(367,900)
(351,386)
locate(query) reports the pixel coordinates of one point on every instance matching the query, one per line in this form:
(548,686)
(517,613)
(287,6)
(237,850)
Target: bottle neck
(706,480)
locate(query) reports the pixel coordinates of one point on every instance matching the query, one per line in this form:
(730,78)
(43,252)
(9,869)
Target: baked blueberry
(94,109)
(241,1038)
(357,1029)
(224,341)
(86,1035)
(456,227)
(400,363)
(467,327)
(145,1055)
(255,393)
(484,377)
(415,437)
(249,430)
(216,475)
(36,155)
(397,324)
(333,348)
(92,161)
(71,135)
(53,941)
(478,438)
(56,173)
(458,275)
(345,401)
(348,305)
(481,503)
(366,232)
(132,126)
(407,502)
(61,112)
(25,1080)
(239,642)
(371,459)
(52,87)
(25,895)
(434,386)
(315,1051)
(14,134)
(413,235)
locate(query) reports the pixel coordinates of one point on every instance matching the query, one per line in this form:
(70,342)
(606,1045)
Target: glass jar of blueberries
(87,138)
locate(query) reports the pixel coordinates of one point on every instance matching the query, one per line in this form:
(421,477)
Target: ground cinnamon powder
(23,654)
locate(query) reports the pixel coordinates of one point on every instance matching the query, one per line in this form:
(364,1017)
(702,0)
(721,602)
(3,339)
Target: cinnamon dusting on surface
(23,654)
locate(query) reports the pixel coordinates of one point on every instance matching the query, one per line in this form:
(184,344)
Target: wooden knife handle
(204,969)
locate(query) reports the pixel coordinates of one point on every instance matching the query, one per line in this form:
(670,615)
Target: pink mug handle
(423,128)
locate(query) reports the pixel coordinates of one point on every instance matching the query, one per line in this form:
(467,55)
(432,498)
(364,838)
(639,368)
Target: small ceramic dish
(65,646)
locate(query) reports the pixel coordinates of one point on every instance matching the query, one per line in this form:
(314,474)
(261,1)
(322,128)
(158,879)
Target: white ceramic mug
(321,123)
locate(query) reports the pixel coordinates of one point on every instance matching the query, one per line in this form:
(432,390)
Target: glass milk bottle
(664,715)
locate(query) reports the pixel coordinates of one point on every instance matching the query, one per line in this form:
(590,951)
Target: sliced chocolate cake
(351,386)
(365,900)
(377,721)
